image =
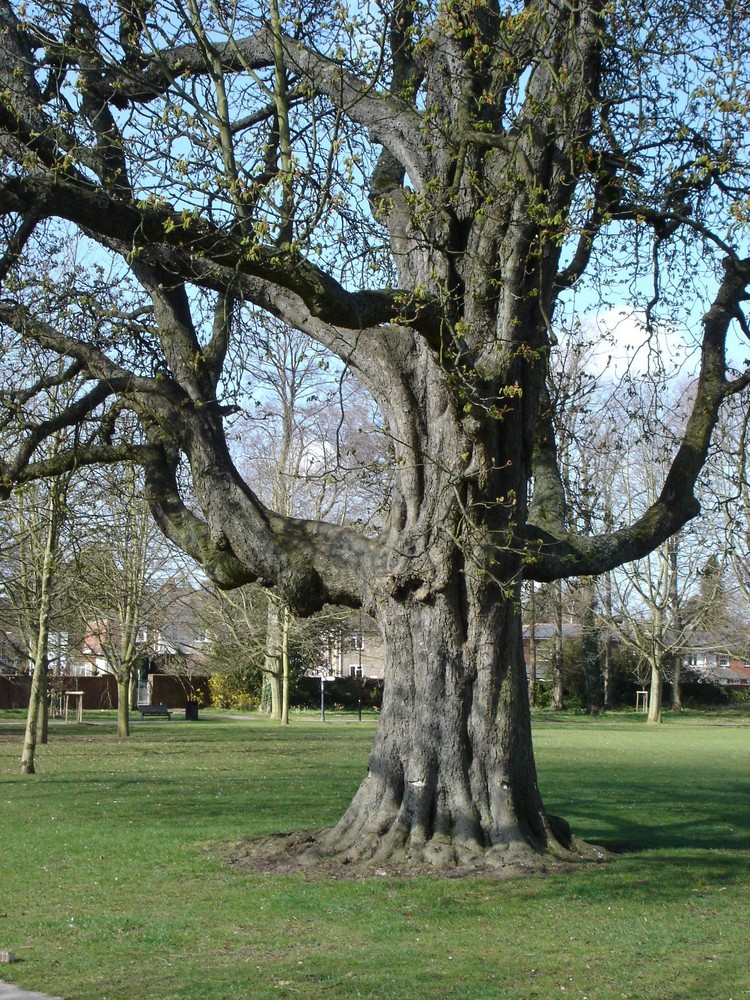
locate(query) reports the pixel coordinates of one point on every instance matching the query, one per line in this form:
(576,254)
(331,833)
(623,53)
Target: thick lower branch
(185,529)
(158,233)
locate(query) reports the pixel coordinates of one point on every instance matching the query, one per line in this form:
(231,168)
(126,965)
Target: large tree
(421,188)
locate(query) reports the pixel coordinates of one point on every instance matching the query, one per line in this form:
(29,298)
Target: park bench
(154,711)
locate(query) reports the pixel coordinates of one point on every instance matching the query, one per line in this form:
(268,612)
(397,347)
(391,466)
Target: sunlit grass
(110,885)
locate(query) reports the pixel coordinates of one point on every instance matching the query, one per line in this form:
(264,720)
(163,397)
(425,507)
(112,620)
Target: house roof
(548,630)
(734,675)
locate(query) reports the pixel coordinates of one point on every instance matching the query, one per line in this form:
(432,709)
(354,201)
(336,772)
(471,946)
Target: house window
(723,661)
(357,642)
(355,669)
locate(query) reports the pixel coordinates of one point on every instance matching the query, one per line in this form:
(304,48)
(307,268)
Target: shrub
(231,691)
(344,692)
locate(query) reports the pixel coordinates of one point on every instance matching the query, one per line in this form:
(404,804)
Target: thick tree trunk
(608,644)
(655,693)
(277,695)
(607,672)
(674,599)
(451,778)
(43,717)
(285,667)
(123,704)
(677,685)
(558,676)
(272,660)
(265,695)
(591,663)
(532,678)
(38,691)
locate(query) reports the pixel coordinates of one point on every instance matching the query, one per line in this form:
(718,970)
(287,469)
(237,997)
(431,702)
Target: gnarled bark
(504,147)
(451,781)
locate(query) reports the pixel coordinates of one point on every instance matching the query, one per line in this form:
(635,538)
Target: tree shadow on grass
(637,817)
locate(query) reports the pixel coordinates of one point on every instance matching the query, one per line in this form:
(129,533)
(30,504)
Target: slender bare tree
(307,441)
(119,573)
(45,540)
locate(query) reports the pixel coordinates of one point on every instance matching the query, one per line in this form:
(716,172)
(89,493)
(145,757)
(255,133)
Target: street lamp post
(323,675)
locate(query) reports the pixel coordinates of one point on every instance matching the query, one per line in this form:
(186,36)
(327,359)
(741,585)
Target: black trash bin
(191,711)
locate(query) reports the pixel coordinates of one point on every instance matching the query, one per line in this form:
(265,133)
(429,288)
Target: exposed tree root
(451,786)
(312,853)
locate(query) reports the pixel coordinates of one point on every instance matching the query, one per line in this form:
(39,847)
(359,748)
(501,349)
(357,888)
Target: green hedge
(344,692)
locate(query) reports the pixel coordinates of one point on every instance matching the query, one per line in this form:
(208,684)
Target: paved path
(10,992)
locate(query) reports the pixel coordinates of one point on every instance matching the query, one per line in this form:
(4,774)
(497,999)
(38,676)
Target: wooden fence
(101,691)
(174,691)
(14,690)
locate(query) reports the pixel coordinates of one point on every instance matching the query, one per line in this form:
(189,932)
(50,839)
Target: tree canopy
(429,190)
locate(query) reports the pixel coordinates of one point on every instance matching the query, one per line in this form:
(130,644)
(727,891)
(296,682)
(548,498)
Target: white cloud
(621,344)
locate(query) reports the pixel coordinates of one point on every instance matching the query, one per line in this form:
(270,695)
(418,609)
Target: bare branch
(553,556)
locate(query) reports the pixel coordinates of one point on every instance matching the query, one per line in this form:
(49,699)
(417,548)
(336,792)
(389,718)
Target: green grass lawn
(110,886)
